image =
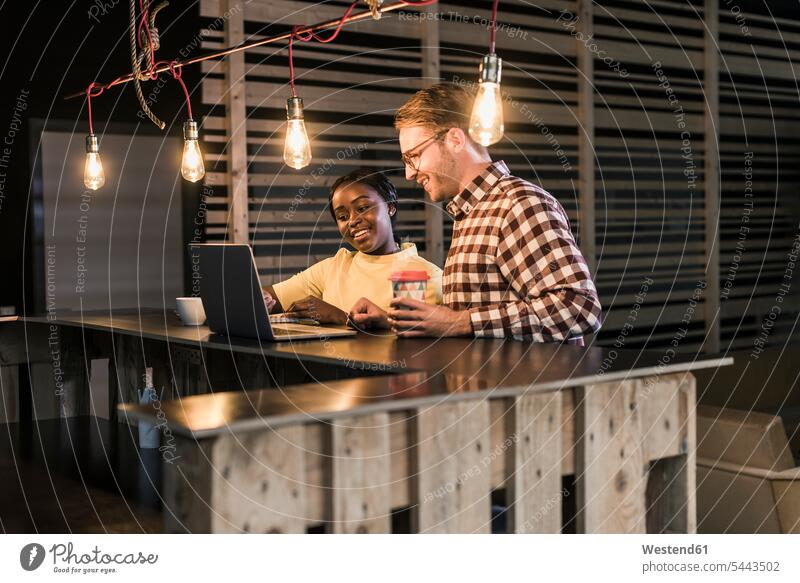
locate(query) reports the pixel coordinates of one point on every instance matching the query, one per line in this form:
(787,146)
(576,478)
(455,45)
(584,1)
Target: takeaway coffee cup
(409,284)
(190,311)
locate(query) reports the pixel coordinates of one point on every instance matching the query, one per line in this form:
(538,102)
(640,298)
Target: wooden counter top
(498,363)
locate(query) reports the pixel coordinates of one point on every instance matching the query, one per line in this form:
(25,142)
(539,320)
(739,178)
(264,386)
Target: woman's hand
(269,301)
(316,309)
(365,314)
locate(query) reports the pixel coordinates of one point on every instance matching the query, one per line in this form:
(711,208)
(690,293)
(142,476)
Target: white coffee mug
(191,311)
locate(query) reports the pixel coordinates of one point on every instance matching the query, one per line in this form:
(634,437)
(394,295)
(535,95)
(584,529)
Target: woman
(363,204)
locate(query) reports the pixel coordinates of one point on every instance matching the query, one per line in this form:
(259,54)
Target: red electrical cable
(308,36)
(151,73)
(312,36)
(291,61)
(139,32)
(336,31)
(95,89)
(177,75)
(493,33)
(347,14)
(89,94)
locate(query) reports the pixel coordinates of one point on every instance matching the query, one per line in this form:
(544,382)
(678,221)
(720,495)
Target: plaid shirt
(514,264)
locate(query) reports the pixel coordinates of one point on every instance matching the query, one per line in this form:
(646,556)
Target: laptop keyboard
(285,329)
(281,331)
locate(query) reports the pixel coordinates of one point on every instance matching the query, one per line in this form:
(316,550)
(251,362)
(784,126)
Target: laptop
(233,300)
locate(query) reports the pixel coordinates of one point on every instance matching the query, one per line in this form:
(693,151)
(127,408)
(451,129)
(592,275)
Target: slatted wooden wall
(350,89)
(654,221)
(609,107)
(759,114)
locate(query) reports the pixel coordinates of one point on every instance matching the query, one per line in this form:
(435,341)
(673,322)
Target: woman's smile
(360,234)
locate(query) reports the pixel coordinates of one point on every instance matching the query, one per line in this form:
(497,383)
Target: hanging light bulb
(486,121)
(93,175)
(192,168)
(297,149)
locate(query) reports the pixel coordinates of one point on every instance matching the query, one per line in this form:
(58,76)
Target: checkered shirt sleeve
(540,261)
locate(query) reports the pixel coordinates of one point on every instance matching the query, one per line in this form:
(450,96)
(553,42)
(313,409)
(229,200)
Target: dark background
(54,48)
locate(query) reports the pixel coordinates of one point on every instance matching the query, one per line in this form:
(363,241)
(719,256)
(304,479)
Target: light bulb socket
(92,145)
(491,67)
(294,108)
(190,130)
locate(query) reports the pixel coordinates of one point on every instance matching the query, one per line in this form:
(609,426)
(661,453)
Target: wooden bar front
(629,445)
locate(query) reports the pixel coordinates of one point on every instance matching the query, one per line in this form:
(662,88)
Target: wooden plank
(671,484)
(431,73)
(383,135)
(325,70)
(553,185)
(647,13)
(360,492)
(568,441)
(357,54)
(451,447)
(317,129)
(187,487)
(662,424)
(366,101)
(258,482)
(534,468)
(611,473)
(688,417)
(236,124)
(289,12)
(781,70)
(645,37)
(552,42)
(586,151)
(670,56)
(630,120)
(711,172)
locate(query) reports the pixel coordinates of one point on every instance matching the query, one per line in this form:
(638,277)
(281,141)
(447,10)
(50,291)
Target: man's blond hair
(438,107)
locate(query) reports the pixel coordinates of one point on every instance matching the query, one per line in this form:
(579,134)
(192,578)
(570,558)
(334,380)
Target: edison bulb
(93,175)
(297,150)
(192,168)
(486,121)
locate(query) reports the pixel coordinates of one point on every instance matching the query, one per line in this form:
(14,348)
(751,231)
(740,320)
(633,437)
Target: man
(513,269)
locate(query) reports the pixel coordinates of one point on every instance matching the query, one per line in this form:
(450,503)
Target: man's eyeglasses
(412,156)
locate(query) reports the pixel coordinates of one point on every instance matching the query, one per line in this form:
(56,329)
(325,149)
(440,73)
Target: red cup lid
(409,276)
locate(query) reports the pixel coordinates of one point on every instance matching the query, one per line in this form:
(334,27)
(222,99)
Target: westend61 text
(675,550)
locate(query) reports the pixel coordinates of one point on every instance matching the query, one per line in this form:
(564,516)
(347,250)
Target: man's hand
(366,314)
(412,318)
(316,309)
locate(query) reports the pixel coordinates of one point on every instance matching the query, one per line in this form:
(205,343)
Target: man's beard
(447,176)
